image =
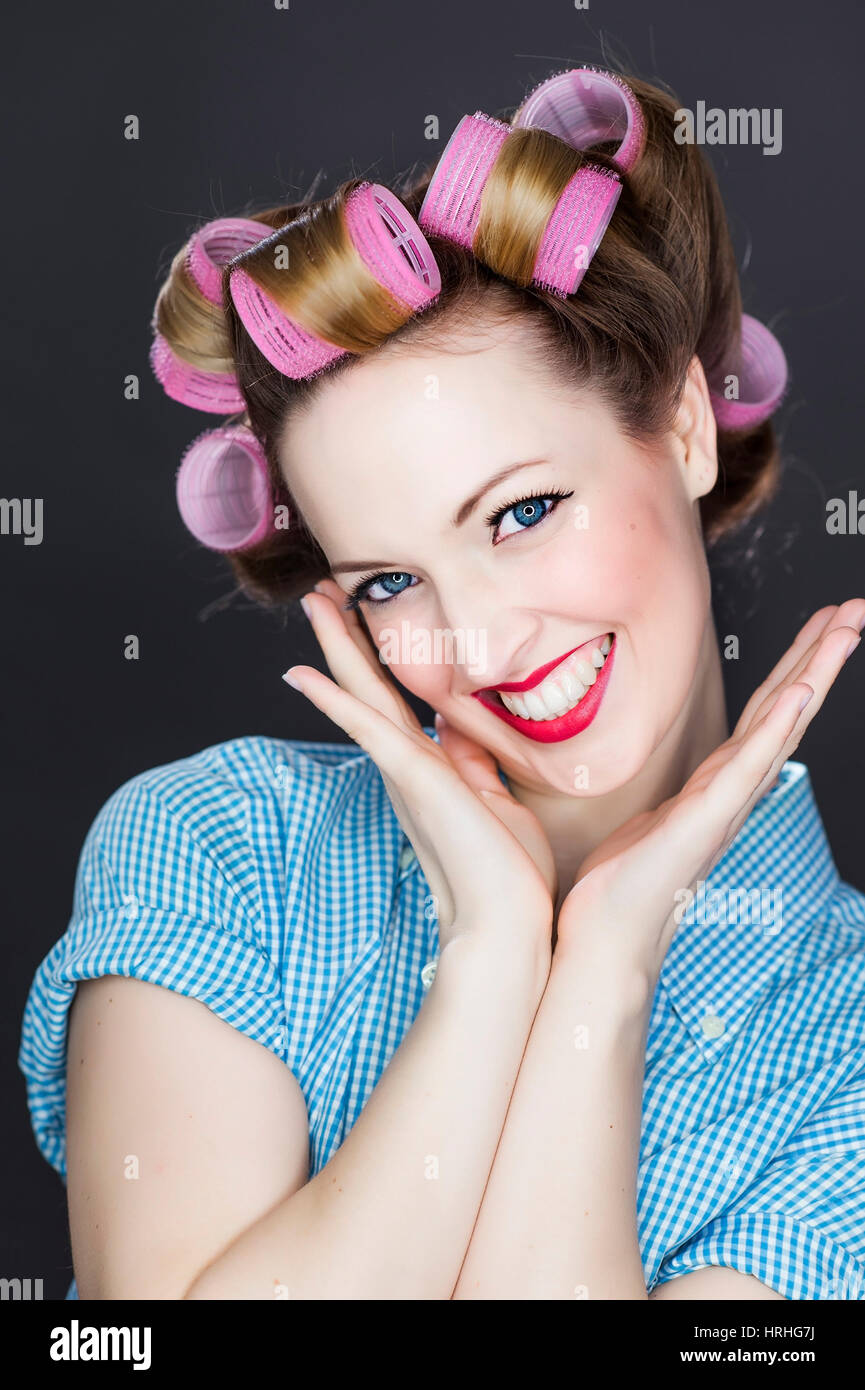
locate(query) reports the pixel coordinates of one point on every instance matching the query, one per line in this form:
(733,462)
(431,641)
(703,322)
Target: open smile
(561,698)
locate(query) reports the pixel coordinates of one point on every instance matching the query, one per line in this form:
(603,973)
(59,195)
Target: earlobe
(697,431)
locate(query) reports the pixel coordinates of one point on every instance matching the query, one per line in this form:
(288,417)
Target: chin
(563,772)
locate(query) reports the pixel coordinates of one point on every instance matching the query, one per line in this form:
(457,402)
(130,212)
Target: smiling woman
(420,1018)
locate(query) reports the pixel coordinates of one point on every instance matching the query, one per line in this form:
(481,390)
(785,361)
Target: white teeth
(562,689)
(535,705)
(556,700)
(587,674)
(574,689)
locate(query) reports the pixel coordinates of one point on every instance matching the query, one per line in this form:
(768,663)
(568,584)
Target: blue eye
(526,512)
(392,584)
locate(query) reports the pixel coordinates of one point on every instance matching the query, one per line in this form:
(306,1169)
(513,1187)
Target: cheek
(409,651)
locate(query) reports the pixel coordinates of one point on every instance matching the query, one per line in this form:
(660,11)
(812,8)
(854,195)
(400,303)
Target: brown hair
(661,287)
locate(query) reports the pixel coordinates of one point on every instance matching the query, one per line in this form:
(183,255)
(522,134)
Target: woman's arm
(558,1218)
(188,1144)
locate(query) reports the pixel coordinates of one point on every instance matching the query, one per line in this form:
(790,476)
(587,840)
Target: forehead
(481,403)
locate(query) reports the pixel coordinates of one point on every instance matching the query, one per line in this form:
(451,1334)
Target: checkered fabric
(272,881)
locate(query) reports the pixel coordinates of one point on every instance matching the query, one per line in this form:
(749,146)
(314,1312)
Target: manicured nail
(805,699)
(852,647)
(305,606)
(292,680)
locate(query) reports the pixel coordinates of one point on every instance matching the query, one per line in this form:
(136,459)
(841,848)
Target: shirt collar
(751,911)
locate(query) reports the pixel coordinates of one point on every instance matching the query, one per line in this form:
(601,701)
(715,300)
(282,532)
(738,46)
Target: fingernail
(805,699)
(852,647)
(292,680)
(305,606)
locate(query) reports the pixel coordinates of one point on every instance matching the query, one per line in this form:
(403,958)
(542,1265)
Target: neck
(576,826)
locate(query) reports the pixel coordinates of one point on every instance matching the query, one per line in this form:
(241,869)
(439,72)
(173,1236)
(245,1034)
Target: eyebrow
(461,516)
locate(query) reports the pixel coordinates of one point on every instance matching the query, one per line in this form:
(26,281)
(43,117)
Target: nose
(498,636)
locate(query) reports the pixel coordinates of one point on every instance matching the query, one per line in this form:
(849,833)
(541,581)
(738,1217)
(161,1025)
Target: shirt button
(406,858)
(712,1026)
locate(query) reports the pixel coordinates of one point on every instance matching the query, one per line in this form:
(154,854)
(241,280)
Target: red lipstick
(564,726)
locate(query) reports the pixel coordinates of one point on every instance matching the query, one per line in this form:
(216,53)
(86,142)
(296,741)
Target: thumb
(475,764)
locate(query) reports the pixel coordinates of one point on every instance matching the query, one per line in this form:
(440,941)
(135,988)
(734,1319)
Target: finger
(797,660)
(475,764)
(802,642)
(742,779)
(448,821)
(352,621)
(818,667)
(350,666)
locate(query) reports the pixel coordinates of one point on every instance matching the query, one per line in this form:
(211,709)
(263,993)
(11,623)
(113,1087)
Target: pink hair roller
(208,251)
(216,392)
(762,379)
(452,204)
(394,250)
(588,106)
(215,245)
(223,489)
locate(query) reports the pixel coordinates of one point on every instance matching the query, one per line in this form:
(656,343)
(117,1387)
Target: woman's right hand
(485,857)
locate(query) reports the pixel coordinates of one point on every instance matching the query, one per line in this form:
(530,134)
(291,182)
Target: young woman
(562,997)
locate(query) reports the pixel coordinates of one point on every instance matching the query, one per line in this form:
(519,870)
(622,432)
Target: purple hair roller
(223,489)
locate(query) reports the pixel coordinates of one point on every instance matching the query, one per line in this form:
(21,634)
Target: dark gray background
(240,101)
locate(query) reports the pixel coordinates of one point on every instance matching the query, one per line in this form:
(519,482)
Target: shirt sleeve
(800,1227)
(164,892)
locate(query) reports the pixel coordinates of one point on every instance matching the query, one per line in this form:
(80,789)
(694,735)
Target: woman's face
(497,530)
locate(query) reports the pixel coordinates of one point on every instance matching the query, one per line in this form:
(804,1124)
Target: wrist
(490,960)
(618,990)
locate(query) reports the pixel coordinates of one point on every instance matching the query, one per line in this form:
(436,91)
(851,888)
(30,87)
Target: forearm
(391,1214)
(558,1218)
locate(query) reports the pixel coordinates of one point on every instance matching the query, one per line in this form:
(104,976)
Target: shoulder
(210,876)
(203,791)
(219,821)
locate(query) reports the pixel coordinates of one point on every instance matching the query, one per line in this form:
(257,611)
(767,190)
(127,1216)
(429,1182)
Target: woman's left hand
(619,916)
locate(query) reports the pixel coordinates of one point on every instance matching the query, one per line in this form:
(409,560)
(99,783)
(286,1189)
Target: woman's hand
(485,857)
(621,908)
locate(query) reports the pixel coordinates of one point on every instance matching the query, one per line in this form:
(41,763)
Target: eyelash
(359,593)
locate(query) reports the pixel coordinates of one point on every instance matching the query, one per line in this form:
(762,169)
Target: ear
(697,434)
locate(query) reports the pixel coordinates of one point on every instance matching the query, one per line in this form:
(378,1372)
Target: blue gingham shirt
(271,880)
